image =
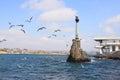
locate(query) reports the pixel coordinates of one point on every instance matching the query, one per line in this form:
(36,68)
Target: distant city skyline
(98,18)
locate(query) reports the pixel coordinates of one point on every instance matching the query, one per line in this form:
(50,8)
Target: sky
(98,18)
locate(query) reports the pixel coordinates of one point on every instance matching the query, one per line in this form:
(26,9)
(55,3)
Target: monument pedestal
(76,53)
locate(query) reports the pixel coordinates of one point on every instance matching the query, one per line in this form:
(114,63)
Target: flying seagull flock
(29,21)
(20,25)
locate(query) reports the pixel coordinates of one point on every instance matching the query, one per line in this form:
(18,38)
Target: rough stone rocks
(76,53)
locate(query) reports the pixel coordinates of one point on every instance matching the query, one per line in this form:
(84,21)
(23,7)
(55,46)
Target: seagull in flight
(29,20)
(58,30)
(23,30)
(49,36)
(41,28)
(10,23)
(20,25)
(66,45)
(11,26)
(54,35)
(3,40)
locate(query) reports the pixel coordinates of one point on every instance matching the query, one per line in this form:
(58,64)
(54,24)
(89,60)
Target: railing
(107,44)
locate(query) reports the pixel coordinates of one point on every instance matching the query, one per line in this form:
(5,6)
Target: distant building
(108,44)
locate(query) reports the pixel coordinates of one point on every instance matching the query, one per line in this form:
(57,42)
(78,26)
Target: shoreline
(34,53)
(26,51)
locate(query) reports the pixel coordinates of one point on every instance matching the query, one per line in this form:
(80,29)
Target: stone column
(76,29)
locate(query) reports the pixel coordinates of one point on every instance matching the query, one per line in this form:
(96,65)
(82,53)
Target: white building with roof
(108,44)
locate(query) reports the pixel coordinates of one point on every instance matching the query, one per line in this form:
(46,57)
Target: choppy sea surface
(55,67)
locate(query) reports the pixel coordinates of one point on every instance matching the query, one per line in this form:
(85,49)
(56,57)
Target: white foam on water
(82,66)
(24,58)
(92,60)
(19,66)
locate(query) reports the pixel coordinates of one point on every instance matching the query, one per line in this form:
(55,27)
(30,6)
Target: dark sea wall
(114,55)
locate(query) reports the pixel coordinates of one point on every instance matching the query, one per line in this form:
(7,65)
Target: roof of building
(106,38)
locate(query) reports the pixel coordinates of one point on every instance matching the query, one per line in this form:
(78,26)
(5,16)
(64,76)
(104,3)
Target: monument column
(76,29)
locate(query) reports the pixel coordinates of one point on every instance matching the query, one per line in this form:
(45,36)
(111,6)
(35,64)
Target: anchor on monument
(76,53)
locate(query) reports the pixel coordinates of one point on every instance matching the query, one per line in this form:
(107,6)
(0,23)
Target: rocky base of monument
(78,60)
(114,55)
(76,53)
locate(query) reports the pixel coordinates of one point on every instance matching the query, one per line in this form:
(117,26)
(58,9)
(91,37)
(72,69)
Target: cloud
(109,30)
(87,43)
(111,24)
(113,20)
(53,26)
(51,10)
(16,39)
(43,5)
(13,32)
(62,14)
(69,29)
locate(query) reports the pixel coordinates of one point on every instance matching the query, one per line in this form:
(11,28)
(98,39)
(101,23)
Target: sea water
(55,67)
